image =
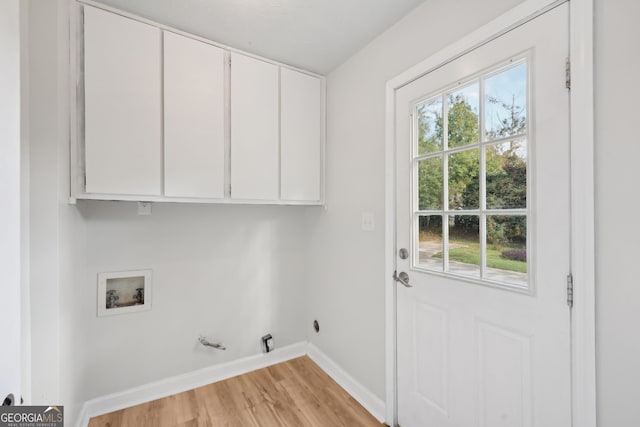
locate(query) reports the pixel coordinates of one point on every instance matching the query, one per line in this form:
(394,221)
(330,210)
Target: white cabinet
(194,118)
(122,105)
(254,129)
(161,115)
(300,136)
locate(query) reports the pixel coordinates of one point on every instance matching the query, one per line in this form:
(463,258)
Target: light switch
(368,221)
(144,208)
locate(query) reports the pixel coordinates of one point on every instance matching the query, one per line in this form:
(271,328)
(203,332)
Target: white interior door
(483,333)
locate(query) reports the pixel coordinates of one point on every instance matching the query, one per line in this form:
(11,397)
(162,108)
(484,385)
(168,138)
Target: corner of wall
(25,321)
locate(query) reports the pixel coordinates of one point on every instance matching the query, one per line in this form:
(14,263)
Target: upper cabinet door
(254,129)
(301,136)
(194,114)
(123,108)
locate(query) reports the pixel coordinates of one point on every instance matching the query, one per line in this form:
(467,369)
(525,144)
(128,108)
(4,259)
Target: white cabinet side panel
(254,129)
(301,133)
(123,105)
(194,112)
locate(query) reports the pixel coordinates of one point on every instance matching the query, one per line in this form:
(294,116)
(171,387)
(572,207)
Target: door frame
(12,194)
(583,387)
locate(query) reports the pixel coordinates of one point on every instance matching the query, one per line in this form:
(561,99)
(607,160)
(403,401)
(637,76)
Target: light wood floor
(296,393)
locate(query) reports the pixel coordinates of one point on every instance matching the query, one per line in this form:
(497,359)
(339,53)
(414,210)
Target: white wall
(231,273)
(25,297)
(44,200)
(346,280)
(617,234)
(10,285)
(72,243)
(55,232)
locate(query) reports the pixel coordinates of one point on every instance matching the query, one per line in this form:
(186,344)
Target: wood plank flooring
(296,393)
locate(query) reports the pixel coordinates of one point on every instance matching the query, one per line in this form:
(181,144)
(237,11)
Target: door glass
(507,175)
(464,180)
(430,183)
(470,185)
(507,248)
(505,103)
(429,116)
(430,244)
(464,245)
(463,119)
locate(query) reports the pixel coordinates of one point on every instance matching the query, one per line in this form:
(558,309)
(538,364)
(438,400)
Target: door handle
(402,278)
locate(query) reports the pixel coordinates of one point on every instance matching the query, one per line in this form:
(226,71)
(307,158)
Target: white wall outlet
(368,221)
(144,208)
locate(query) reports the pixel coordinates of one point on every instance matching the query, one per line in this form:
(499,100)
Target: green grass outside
(470,254)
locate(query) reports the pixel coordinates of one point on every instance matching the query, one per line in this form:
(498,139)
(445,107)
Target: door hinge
(567,72)
(570,290)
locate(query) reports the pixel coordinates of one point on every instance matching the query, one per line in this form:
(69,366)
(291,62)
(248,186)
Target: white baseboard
(190,380)
(83,417)
(368,400)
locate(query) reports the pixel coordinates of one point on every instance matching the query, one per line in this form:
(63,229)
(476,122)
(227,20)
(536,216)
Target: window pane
(464,245)
(507,249)
(464,180)
(464,123)
(430,185)
(506,103)
(429,119)
(430,241)
(507,175)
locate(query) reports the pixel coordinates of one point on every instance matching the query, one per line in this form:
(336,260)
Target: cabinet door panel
(194,103)
(123,109)
(301,133)
(254,129)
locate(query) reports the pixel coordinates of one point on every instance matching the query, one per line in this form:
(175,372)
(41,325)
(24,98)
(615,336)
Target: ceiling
(317,35)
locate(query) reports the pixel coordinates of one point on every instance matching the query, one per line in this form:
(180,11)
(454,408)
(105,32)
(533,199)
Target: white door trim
(582,201)
(11,196)
(583,322)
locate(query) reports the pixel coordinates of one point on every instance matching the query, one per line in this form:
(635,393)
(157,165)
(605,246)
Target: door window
(470,174)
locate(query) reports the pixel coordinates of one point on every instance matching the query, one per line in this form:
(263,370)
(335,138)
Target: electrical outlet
(144,208)
(368,221)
